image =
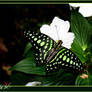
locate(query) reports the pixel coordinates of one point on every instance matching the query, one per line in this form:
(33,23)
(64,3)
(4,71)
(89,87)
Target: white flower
(58,30)
(35,83)
(85,8)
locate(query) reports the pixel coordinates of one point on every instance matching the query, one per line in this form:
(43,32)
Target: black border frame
(44,88)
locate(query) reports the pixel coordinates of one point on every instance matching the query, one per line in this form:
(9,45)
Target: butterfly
(52,54)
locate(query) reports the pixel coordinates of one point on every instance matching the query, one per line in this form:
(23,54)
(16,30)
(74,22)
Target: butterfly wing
(64,58)
(41,44)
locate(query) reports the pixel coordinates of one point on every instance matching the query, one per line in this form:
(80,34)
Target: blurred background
(12,21)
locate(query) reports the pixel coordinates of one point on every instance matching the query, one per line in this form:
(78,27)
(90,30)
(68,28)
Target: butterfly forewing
(41,44)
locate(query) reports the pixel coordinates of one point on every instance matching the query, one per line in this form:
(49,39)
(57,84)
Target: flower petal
(68,40)
(62,26)
(58,30)
(85,9)
(35,83)
(49,31)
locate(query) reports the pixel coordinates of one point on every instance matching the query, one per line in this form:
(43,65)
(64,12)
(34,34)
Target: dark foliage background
(12,43)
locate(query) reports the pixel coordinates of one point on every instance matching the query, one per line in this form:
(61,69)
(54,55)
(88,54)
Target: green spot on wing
(42,43)
(57,59)
(68,59)
(38,41)
(71,62)
(64,58)
(76,64)
(40,54)
(60,56)
(47,40)
(35,39)
(67,50)
(44,51)
(45,46)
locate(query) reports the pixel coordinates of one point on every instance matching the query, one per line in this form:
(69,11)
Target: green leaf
(28,66)
(60,78)
(87,81)
(28,52)
(65,79)
(90,68)
(82,82)
(78,51)
(27,49)
(19,78)
(81,28)
(90,20)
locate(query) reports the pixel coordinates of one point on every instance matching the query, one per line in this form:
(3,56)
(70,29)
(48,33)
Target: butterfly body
(52,54)
(53,51)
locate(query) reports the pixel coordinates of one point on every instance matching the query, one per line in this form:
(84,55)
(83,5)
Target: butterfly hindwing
(64,58)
